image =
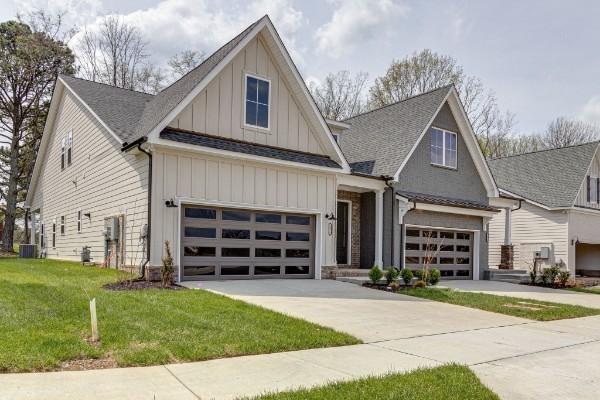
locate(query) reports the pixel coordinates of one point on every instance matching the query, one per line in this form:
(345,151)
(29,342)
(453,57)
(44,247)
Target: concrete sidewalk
(526,292)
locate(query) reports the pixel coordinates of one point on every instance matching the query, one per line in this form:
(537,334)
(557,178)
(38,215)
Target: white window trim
(63,225)
(443,165)
(245,83)
(79,220)
(69,148)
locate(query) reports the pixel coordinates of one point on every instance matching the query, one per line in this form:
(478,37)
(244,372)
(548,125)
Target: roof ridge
(105,84)
(211,54)
(399,101)
(597,142)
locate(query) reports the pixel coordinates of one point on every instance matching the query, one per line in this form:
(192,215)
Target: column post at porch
(378,229)
(508,226)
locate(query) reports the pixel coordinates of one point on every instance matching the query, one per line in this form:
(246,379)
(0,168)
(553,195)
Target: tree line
(35,48)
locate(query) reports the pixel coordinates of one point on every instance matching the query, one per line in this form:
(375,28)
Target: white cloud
(78,12)
(591,111)
(355,22)
(174,25)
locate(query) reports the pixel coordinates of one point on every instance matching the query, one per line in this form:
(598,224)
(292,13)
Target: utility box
(27,250)
(543,253)
(111,228)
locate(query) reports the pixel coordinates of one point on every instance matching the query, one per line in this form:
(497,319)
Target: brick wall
(355,225)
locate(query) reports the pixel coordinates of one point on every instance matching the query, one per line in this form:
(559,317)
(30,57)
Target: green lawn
(446,382)
(592,290)
(44,321)
(517,307)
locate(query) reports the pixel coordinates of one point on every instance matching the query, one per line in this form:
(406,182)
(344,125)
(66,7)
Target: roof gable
(552,178)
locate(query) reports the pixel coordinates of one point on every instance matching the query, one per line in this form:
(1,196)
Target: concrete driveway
(517,358)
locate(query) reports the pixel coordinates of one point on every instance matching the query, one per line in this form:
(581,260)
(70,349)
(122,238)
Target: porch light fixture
(87,214)
(170,203)
(330,217)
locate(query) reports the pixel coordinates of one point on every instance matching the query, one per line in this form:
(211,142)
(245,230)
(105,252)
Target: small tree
(167,270)
(407,276)
(375,274)
(391,275)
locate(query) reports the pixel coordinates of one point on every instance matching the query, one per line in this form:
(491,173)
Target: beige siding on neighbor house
(196,178)
(532,228)
(582,196)
(219,109)
(101,181)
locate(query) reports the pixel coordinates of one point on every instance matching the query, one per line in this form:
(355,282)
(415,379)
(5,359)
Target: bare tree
(340,96)
(51,23)
(150,79)
(182,63)
(563,132)
(114,54)
(426,71)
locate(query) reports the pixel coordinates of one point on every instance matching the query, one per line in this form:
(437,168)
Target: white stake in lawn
(95,335)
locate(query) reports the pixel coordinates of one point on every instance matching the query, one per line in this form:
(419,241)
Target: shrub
(434,277)
(533,276)
(375,274)
(420,284)
(394,286)
(167,270)
(391,275)
(553,272)
(545,277)
(421,274)
(407,275)
(563,277)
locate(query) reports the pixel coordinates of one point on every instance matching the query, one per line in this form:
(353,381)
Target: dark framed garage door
(449,251)
(221,243)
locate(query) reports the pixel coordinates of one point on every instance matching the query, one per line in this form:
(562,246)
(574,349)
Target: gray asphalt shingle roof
(378,141)
(120,109)
(549,177)
(445,201)
(239,146)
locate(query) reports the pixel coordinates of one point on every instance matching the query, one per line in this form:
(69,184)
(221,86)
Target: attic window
(443,148)
(257,102)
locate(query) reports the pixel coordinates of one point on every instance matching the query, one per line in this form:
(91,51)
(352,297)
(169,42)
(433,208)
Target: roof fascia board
(52,111)
(579,210)
(169,144)
(155,132)
(416,144)
(453,210)
(87,107)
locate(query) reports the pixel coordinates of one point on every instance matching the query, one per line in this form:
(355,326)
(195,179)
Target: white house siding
(532,228)
(197,178)
(101,181)
(594,171)
(219,109)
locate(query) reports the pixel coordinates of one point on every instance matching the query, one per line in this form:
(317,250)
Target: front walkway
(518,359)
(526,292)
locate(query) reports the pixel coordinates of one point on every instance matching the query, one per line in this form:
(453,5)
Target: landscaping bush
(167,270)
(391,275)
(553,272)
(533,276)
(407,275)
(375,274)
(421,274)
(420,284)
(394,286)
(545,277)
(563,277)
(434,277)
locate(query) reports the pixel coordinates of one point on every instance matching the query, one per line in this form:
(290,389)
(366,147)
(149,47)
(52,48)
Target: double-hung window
(69,147)
(62,225)
(79,225)
(257,102)
(66,150)
(443,148)
(54,233)
(63,148)
(593,189)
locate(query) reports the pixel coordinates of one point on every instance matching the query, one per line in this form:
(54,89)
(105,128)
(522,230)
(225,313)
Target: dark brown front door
(342,232)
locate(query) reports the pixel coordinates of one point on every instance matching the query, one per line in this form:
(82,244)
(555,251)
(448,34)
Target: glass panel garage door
(449,251)
(219,243)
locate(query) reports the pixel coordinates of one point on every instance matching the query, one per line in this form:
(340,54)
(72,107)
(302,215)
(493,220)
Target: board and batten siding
(197,179)
(532,228)
(219,108)
(594,172)
(101,180)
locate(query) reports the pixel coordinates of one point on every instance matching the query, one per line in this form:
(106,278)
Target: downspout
(149,224)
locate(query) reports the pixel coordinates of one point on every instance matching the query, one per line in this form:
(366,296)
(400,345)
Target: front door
(342,232)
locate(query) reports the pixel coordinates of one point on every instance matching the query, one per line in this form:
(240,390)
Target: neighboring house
(559,193)
(234,165)
(437,199)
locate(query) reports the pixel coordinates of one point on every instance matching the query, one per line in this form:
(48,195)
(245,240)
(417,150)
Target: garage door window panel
(235,252)
(268,218)
(297,220)
(199,270)
(199,251)
(232,270)
(267,235)
(241,216)
(194,232)
(297,236)
(235,234)
(262,252)
(267,270)
(297,269)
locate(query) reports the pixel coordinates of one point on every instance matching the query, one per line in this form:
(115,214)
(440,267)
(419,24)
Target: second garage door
(220,243)
(449,251)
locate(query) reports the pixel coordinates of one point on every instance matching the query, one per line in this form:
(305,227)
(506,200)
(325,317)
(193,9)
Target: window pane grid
(257,102)
(443,148)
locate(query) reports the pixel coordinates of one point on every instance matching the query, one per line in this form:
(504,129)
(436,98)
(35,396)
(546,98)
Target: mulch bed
(385,287)
(140,284)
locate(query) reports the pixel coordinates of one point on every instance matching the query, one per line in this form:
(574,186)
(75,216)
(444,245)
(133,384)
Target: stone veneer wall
(355,225)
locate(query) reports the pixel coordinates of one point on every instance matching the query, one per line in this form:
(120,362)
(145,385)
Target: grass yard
(517,307)
(44,321)
(592,290)
(446,382)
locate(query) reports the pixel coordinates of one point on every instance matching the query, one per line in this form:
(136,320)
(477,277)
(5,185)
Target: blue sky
(541,58)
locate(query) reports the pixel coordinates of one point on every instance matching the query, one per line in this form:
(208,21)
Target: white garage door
(219,243)
(449,251)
